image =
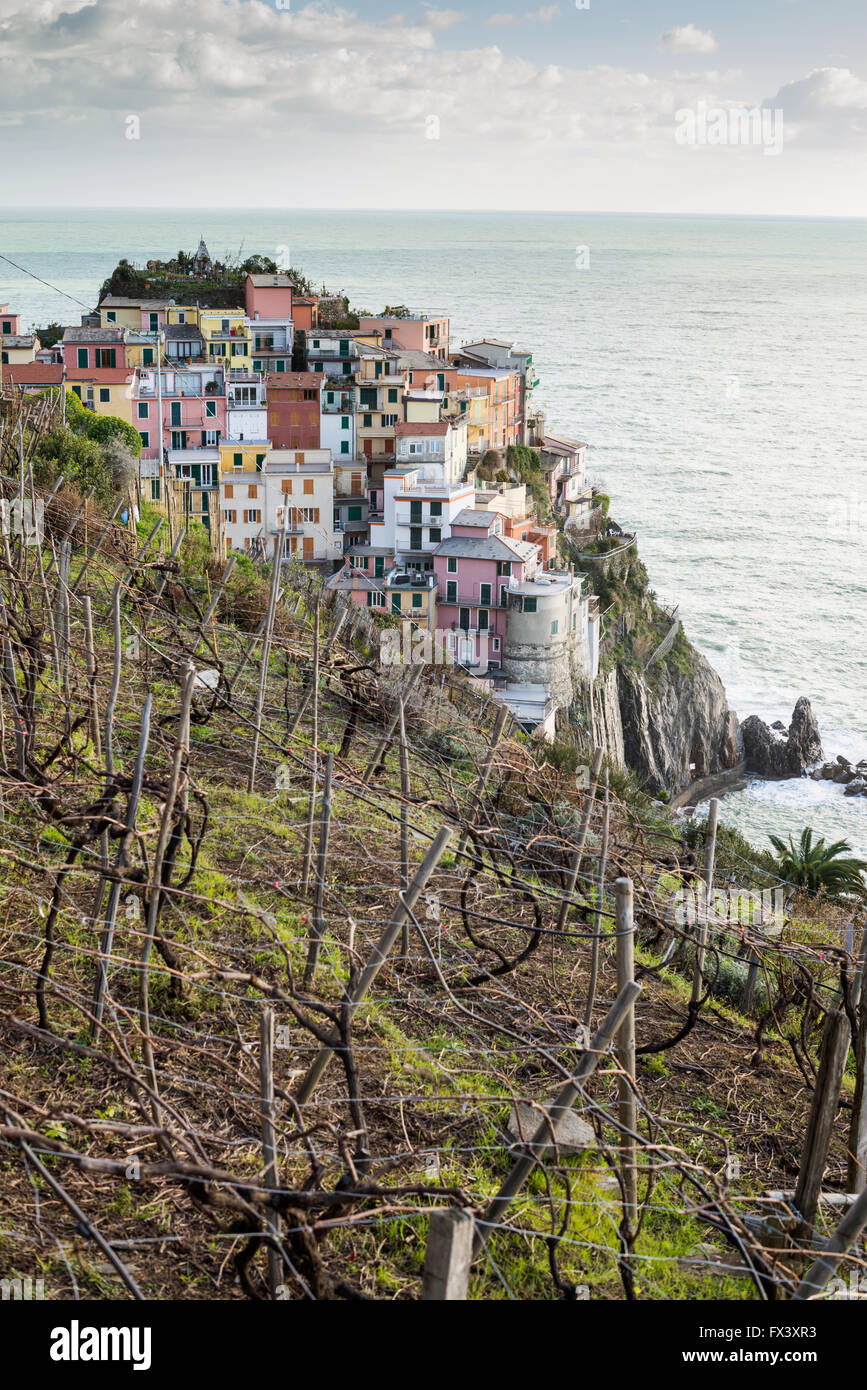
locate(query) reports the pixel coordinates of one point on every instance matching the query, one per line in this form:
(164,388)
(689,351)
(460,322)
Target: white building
(437,448)
(417,515)
(271,343)
(299,501)
(337,419)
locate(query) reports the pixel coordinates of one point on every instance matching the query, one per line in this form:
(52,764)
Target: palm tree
(819,867)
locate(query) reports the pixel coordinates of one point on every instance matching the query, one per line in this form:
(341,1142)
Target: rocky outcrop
(851,777)
(678,727)
(776,753)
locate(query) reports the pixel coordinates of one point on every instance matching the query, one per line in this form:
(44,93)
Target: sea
(716,367)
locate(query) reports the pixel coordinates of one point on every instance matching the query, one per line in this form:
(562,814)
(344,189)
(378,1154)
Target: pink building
(10,324)
(418,333)
(193,409)
(268,297)
(474,568)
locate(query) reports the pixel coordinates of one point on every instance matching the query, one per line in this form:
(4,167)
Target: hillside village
(413,475)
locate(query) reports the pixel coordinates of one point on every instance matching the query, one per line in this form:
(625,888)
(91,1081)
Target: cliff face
(661,725)
(664,717)
(679,727)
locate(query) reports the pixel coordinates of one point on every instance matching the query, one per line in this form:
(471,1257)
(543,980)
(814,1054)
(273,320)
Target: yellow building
(473,404)
(19,348)
(227,338)
(108,397)
(141,315)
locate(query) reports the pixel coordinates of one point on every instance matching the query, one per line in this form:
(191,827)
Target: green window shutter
(238,460)
(368,422)
(395,603)
(257,366)
(210,408)
(392,395)
(451,591)
(260,459)
(370,598)
(203,439)
(416,600)
(104,395)
(176,412)
(147,357)
(353,514)
(344,447)
(529,605)
(452,565)
(82,357)
(344,422)
(77,391)
(554,628)
(436,508)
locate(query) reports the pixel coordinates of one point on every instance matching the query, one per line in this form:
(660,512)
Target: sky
(679,106)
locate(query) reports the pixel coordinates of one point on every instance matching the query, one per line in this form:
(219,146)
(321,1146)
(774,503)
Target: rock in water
(770,755)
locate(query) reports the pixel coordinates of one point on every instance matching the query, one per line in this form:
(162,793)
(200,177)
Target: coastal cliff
(666,719)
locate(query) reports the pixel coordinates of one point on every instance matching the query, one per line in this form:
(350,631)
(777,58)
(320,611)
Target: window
(308,487)
(483,620)
(230,516)
(225,325)
(237,460)
(344,422)
(436,508)
(451,591)
(286,485)
(216,349)
(353,514)
(82,357)
(347,369)
(210,408)
(257,365)
(110,317)
(210,438)
(260,459)
(104,395)
(389,421)
(106,357)
(503,593)
(555,628)
(375,599)
(238,349)
(77,391)
(154,320)
(145,439)
(415,511)
(495,643)
(416,600)
(319,367)
(367,422)
(147,357)
(176,412)
(316,342)
(435,535)
(504,567)
(464,620)
(182,318)
(415,538)
(252,517)
(392,395)
(395,603)
(252,490)
(388,333)
(142,410)
(344,446)
(452,565)
(485,594)
(529,605)
(179,439)
(344,347)
(229,490)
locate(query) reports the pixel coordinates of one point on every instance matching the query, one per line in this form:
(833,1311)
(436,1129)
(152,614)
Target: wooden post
(448,1256)
(318,925)
(382,747)
(626,1107)
(701,925)
(596,944)
(823,1112)
(266,652)
(843,1239)
(404,821)
(90,649)
(314,741)
(857,1168)
(406,904)
(577,853)
(269,1138)
(540,1145)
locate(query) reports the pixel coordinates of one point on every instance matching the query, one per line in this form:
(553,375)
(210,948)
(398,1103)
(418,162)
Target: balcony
(464,601)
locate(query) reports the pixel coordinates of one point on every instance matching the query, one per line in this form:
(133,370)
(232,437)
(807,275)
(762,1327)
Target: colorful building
(417,332)
(474,570)
(299,491)
(438,449)
(294,404)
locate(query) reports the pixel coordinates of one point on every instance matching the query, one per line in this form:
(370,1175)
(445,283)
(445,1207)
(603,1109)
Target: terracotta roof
(421,427)
(27,373)
(296,379)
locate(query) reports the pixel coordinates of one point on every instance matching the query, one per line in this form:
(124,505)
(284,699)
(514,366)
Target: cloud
(443,19)
(827,108)
(545,15)
(688,39)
